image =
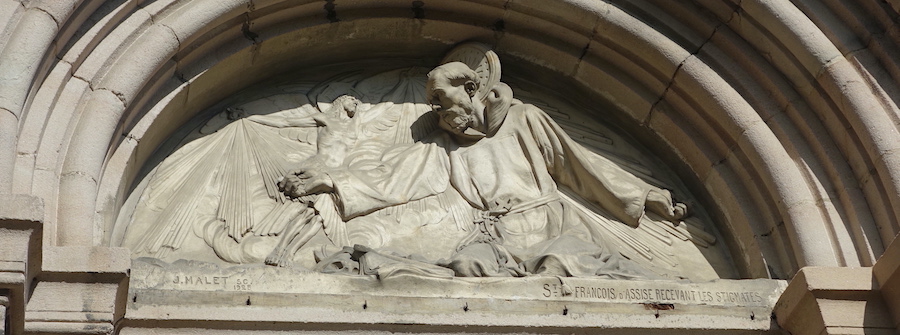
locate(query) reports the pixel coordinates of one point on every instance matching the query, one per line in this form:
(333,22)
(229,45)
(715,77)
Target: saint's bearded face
(456,111)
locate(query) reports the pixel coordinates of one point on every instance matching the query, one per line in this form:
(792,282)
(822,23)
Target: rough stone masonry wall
(783,115)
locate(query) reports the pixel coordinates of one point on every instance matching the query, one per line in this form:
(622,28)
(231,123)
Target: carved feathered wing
(228,166)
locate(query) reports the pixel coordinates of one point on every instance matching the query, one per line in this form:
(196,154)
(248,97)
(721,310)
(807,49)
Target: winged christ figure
(338,132)
(227,162)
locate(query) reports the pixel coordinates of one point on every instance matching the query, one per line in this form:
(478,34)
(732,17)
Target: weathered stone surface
(257,210)
(173,292)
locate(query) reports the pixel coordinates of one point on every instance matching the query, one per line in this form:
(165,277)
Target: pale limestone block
(82,300)
(798,207)
(887,273)
(76,21)
(155,84)
(621,31)
(67,327)
(39,111)
(81,169)
(13,248)
(99,31)
(839,27)
(21,207)
(61,119)
(111,195)
(874,65)
(22,173)
(625,84)
(160,8)
(196,58)
(836,299)
(679,103)
(743,222)
(684,23)
(22,56)
(750,74)
(80,259)
(721,104)
(558,58)
(95,128)
(349,5)
(795,32)
(8,138)
(10,10)
(687,138)
(75,227)
(158,123)
(95,61)
(578,18)
(161,291)
(46,186)
(450,33)
(60,10)
(857,102)
(873,123)
(866,314)
(192,20)
(846,190)
(139,63)
(87,308)
(755,34)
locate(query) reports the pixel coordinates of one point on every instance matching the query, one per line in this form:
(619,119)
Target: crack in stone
(734,14)
(330,12)
(130,136)
(418,9)
(119,95)
(173,33)
(11,113)
(772,229)
(48,14)
(79,173)
(245,29)
(88,82)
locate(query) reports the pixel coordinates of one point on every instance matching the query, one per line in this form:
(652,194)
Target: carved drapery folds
(404,181)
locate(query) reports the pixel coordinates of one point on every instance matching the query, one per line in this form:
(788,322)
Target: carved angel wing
(228,164)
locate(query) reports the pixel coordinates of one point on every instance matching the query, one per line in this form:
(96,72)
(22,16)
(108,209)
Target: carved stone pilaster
(94,282)
(21,218)
(834,300)
(887,274)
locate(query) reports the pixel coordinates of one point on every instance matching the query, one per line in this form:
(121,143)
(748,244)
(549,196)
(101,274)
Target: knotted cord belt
(488,226)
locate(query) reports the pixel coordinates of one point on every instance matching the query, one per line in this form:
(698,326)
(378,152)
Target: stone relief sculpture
(441,175)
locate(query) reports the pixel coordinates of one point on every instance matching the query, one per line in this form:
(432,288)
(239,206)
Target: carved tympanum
(445,174)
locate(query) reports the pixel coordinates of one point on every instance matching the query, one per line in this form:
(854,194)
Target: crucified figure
(337,134)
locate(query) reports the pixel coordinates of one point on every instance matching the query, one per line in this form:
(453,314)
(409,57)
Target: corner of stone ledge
(838,278)
(814,282)
(21,207)
(889,263)
(114,263)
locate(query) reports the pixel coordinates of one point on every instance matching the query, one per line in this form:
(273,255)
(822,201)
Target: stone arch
(783,115)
